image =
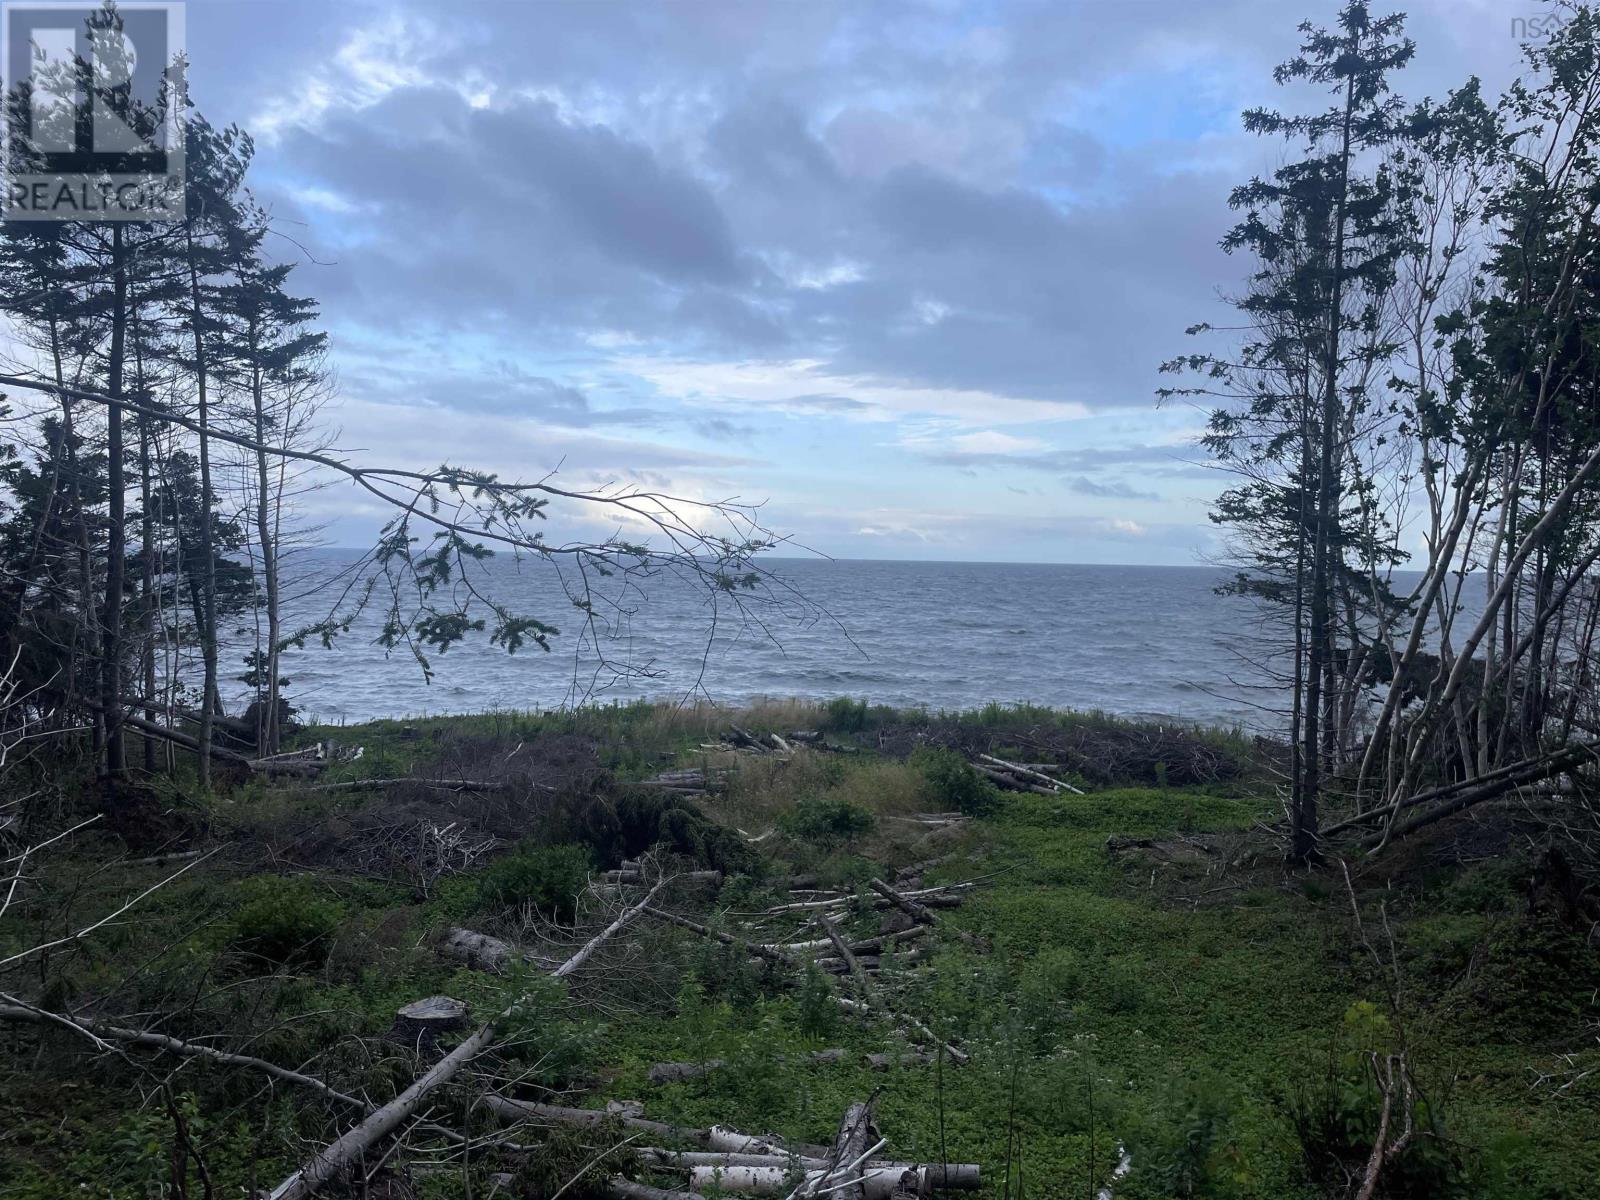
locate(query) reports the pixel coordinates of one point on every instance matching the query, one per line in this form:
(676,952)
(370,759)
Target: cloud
(802,385)
(629,227)
(989,441)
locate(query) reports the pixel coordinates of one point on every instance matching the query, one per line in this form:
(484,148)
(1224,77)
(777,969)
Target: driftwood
(352,1147)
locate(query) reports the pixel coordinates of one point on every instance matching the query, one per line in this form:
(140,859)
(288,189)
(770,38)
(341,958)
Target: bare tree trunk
(208,563)
(116,522)
(267,719)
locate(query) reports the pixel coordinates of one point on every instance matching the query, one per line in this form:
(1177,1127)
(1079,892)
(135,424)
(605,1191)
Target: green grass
(1119,1002)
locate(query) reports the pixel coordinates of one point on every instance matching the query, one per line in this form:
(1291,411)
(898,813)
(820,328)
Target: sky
(901,272)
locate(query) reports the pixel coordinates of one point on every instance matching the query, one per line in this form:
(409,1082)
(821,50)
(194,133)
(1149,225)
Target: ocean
(1145,641)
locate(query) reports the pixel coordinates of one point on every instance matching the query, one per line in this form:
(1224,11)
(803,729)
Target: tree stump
(420,1023)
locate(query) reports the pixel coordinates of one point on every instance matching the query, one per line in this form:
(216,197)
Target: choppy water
(1134,640)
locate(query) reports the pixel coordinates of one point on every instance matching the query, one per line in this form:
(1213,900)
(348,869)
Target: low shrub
(1186,1149)
(829,820)
(952,784)
(1335,1119)
(844,715)
(284,922)
(547,877)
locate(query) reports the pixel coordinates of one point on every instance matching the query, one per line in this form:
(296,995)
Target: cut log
(351,1149)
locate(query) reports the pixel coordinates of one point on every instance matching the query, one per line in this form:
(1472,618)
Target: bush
(285,922)
(844,715)
(952,784)
(1335,1115)
(547,877)
(1186,1150)
(829,819)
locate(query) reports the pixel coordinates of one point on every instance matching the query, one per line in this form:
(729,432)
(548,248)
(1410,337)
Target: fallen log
(437,785)
(951,1177)
(628,1189)
(838,966)
(958,1056)
(156,860)
(912,909)
(678,1072)
(1007,779)
(478,951)
(1531,773)
(762,950)
(178,738)
(351,1148)
(856,1139)
(717,1137)
(873,1182)
(712,878)
(1029,772)
(943,896)
(851,964)
(1519,773)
